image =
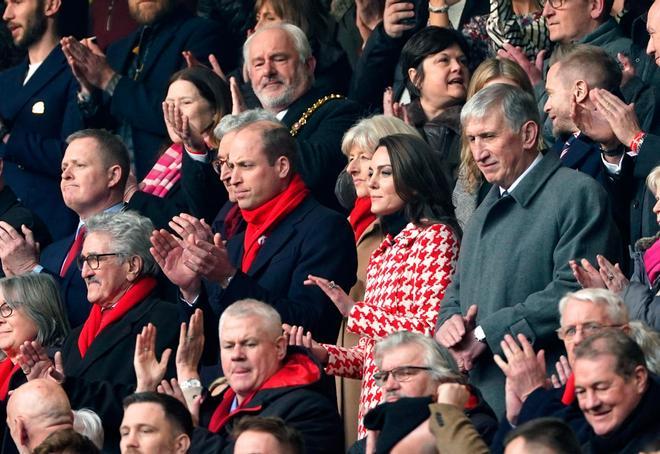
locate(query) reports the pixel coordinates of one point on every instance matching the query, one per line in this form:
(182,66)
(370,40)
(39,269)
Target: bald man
(35,410)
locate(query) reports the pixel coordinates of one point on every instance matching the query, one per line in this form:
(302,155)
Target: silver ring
(332,285)
(610,276)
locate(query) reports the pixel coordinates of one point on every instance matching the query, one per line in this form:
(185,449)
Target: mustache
(267,79)
(92,280)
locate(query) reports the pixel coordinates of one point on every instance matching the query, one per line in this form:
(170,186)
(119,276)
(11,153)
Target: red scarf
(361,216)
(98,320)
(7,369)
(569,391)
(165,172)
(263,219)
(652,262)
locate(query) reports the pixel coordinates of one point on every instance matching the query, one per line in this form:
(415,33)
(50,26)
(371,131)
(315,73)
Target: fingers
(215,66)
(387,101)
(501,364)
(471,315)
(556,383)
(237,101)
(165,357)
(540,57)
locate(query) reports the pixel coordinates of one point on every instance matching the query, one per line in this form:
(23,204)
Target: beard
(34,29)
(151,13)
(281,100)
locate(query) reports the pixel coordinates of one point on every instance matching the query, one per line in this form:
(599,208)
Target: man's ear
(22,433)
(310,64)
(596,8)
(181,443)
(280,345)
(283,166)
(114,175)
(641,378)
(529,133)
(135,264)
(52,7)
(581,91)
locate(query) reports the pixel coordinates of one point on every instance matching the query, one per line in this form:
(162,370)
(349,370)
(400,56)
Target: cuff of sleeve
(37,268)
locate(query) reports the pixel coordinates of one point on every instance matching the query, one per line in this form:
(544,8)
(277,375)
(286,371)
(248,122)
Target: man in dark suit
(289,235)
(38,111)
(281,68)
(124,90)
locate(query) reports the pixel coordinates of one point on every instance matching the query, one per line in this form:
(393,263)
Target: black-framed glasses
(557,3)
(399,374)
(93,260)
(6,310)
(567,333)
(217,164)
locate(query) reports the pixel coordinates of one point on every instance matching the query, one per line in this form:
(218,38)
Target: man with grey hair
(280,66)
(515,251)
(265,377)
(97,357)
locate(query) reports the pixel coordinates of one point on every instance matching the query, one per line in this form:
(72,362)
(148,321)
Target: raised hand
(524,370)
(35,363)
(179,124)
(621,116)
(336,294)
(453,394)
(168,253)
(612,275)
(191,347)
(148,370)
(395,12)
(563,372)
(185,225)
(88,63)
(453,330)
(534,70)
(18,253)
(586,275)
(172,388)
(296,336)
(210,260)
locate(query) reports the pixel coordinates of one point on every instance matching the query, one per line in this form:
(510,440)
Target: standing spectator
(38,111)
(408,273)
(488,298)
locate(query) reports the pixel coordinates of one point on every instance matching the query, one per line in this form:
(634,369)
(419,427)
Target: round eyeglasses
(93,260)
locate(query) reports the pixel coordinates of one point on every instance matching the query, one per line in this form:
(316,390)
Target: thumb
(540,359)
(217,240)
(539,59)
(165,358)
(471,314)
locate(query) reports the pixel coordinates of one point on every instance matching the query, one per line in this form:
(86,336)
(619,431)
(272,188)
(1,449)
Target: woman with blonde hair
(471,188)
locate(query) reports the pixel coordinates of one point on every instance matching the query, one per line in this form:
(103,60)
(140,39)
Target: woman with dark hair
(434,65)
(407,274)
(196,100)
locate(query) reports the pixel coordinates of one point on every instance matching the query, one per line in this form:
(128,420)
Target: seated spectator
(123,91)
(547,435)
(96,358)
(35,410)
(66,441)
(413,365)
(196,100)
(30,309)
(13,216)
(639,293)
(471,187)
(616,393)
(288,236)
(408,273)
(264,378)
(266,435)
(584,139)
(488,300)
(88,423)
(434,65)
(358,145)
(316,118)
(155,423)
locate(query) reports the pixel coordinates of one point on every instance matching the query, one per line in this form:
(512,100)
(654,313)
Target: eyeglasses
(557,3)
(93,260)
(217,164)
(399,374)
(6,310)
(567,333)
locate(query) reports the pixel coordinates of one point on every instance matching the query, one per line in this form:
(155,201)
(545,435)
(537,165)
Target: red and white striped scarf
(165,172)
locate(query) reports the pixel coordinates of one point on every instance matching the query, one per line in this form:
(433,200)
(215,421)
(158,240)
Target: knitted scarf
(165,173)
(361,216)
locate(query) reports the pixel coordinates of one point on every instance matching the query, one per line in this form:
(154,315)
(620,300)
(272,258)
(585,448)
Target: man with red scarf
(289,235)
(528,391)
(265,377)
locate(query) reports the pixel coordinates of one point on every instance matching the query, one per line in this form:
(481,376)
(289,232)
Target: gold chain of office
(295,129)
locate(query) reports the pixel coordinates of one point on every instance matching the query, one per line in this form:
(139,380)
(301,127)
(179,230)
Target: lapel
(105,342)
(579,152)
(276,240)
(535,180)
(54,64)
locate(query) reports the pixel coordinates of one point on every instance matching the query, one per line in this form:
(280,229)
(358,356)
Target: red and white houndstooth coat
(406,280)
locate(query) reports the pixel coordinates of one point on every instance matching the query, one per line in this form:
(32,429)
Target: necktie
(74,252)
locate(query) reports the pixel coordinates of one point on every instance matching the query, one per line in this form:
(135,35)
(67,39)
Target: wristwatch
(439,9)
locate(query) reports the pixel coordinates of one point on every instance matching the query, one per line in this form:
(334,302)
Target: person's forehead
(271,41)
(144,413)
(577,311)
(243,327)
(97,242)
(492,120)
(403,355)
(590,370)
(82,149)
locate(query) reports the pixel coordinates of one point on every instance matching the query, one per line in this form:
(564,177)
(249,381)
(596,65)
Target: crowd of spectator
(324,226)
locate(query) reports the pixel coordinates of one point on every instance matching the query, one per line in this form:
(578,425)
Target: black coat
(101,379)
(293,397)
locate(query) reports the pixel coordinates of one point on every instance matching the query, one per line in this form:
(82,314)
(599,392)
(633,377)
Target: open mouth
(456,81)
